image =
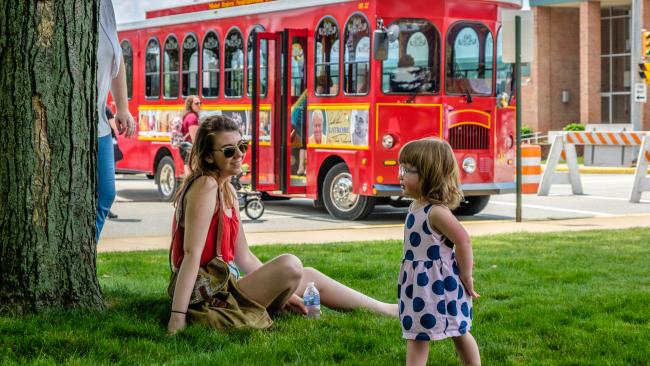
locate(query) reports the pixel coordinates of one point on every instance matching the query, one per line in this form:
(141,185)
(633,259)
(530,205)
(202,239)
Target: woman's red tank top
(229,233)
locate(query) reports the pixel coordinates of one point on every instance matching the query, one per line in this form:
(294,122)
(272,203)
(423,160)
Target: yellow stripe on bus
(312,107)
(340,147)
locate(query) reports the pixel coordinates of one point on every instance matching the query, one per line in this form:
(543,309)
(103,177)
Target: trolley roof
(218,10)
(234,8)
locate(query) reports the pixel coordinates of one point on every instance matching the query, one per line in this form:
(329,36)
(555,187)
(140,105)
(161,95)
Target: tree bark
(48,154)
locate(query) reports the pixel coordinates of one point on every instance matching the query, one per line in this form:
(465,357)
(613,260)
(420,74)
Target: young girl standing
(435,286)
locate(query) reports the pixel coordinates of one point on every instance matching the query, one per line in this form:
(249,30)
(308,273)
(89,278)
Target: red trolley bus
(328,92)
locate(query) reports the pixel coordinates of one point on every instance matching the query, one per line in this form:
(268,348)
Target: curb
(394,232)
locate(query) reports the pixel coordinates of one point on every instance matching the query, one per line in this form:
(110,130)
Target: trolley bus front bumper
(471,189)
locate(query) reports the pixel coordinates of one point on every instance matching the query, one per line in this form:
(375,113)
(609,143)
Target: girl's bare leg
(467,350)
(417,352)
(340,297)
(274,282)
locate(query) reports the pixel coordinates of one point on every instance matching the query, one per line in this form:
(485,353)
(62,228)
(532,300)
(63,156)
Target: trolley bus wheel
(254,208)
(472,205)
(338,198)
(166,179)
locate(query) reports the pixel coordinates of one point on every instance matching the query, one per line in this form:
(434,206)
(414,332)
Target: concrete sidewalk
(393,232)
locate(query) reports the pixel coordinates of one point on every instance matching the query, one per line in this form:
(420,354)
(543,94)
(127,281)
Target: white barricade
(564,144)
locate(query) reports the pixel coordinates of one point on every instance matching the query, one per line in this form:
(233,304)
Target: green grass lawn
(547,299)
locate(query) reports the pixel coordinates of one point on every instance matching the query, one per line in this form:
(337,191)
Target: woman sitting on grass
(207,204)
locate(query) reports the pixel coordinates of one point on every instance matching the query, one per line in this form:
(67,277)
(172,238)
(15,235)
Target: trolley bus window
(128,67)
(356,59)
(263,63)
(190,66)
(234,64)
(171,68)
(504,71)
(210,63)
(152,69)
(413,62)
(469,59)
(297,68)
(327,58)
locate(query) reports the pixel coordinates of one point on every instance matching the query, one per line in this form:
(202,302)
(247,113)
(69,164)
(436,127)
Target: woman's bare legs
(467,350)
(340,297)
(272,284)
(417,352)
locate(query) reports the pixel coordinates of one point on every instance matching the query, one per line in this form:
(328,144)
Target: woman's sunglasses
(229,150)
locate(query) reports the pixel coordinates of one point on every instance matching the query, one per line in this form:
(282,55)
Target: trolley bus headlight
(469,165)
(388,141)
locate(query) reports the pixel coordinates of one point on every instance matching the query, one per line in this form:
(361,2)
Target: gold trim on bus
(332,106)
(340,147)
(247,107)
(471,123)
(155,139)
(489,116)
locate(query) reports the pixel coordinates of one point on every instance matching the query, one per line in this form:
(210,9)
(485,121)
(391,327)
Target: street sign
(640,92)
(527,35)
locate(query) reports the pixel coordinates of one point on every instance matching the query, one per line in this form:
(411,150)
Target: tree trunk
(48,154)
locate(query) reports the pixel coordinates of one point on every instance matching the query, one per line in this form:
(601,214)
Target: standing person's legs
(340,297)
(417,352)
(467,350)
(105,181)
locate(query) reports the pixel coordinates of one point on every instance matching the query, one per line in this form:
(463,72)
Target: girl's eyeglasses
(404,170)
(229,150)
(197,103)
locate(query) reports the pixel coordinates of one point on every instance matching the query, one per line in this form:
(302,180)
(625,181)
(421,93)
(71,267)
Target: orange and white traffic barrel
(531,167)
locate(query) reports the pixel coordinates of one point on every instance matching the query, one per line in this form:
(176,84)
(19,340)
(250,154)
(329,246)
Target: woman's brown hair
(437,169)
(188,105)
(199,166)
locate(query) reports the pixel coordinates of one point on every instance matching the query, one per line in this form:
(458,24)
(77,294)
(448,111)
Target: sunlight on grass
(547,299)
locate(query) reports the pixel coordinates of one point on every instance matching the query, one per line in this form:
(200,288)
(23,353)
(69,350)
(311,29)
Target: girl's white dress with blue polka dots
(432,301)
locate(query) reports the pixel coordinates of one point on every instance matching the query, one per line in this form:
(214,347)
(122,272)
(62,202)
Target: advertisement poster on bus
(155,124)
(241,117)
(341,127)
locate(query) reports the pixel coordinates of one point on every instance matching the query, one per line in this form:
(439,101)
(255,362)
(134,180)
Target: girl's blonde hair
(437,170)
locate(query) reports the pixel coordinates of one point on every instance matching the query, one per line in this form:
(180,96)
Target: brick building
(585,64)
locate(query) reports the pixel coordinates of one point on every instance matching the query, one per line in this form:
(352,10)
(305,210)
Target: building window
(234,64)
(127,52)
(152,70)
(413,63)
(615,65)
(190,66)
(210,66)
(469,60)
(327,58)
(356,58)
(170,68)
(263,63)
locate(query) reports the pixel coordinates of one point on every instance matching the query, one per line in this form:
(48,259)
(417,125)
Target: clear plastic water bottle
(311,297)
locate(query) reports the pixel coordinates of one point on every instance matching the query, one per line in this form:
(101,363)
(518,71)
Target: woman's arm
(192,132)
(446,223)
(123,117)
(201,200)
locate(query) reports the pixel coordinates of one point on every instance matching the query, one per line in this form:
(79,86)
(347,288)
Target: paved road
(141,214)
